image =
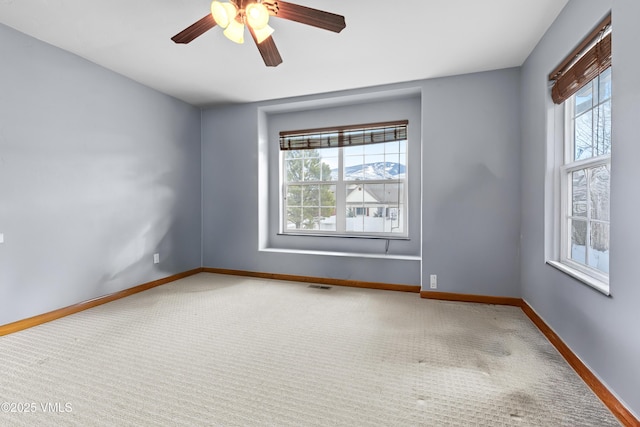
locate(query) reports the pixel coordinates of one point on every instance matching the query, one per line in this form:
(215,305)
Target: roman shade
(585,63)
(344,136)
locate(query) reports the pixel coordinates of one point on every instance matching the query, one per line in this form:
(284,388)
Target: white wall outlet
(1,237)
(156,258)
(433,281)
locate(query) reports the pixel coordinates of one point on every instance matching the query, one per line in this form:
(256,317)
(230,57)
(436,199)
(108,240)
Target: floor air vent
(320,287)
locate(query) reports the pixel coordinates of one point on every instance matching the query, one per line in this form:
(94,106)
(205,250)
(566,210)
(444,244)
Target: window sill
(596,284)
(348,236)
(342,254)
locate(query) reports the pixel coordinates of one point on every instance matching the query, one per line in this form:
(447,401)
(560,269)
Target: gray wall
(602,331)
(470,184)
(471,166)
(97,173)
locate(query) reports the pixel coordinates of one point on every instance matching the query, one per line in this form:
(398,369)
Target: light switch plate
(1,237)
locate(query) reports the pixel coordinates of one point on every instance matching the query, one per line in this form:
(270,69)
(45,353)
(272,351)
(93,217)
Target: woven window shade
(584,64)
(345,136)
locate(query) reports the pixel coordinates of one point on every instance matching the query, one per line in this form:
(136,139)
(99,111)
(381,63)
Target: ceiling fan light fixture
(263,33)
(223,13)
(235,31)
(233,15)
(257,15)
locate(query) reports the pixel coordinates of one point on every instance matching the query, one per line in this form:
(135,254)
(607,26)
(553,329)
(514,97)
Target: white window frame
(341,198)
(564,167)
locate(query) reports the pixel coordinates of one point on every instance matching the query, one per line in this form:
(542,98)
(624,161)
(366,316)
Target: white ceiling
(384,42)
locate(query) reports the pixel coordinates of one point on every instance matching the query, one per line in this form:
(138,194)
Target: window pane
(392,147)
(583,136)
(599,192)
(372,166)
(578,241)
(314,168)
(603,129)
(358,150)
(579,193)
(294,218)
(355,219)
(605,85)
(294,207)
(311,165)
(310,196)
(599,247)
(328,163)
(396,165)
(293,170)
(375,208)
(329,152)
(310,218)
(353,170)
(328,221)
(311,207)
(388,194)
(390,205)
(355,195)
(294,195)
(371,149)
(327,207)
(328,195)
(592,120)
(355,211)
(584,98)
(329,169)
(373,158)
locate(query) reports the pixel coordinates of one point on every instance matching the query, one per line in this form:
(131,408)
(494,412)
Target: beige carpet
(224,350)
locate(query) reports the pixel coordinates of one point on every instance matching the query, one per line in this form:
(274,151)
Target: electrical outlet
(434,281)
(156,258)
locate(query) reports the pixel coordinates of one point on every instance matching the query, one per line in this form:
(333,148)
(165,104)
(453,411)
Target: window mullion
(565,202)
(589,214)
(570,134)
(285,208)
(594,109)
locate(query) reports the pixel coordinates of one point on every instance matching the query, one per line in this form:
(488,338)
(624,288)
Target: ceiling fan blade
(306,15)
(195,30)
(268,50)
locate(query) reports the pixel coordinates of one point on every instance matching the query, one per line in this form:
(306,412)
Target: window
(345,181)
(584,91)
(585,178)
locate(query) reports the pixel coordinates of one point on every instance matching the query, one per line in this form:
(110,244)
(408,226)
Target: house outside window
(349,180)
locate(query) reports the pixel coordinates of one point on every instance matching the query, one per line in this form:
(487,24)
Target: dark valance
(584,64)
(344,136)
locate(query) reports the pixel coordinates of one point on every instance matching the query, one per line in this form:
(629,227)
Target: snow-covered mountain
(377,170)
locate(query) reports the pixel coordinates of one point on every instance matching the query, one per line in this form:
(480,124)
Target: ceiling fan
(233,15)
